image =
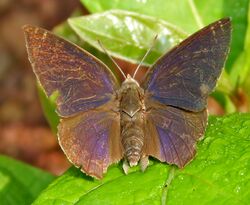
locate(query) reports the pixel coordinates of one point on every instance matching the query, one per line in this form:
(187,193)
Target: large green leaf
(176,12)
(127,35)
(20,183)
(219,174)
(189,15)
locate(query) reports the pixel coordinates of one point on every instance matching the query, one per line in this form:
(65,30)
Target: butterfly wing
(91,140)
(176,91)
(171,133)
(89,129)
(81,80)
(185,76)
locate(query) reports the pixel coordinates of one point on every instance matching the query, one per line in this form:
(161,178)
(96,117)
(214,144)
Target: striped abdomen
(132,136)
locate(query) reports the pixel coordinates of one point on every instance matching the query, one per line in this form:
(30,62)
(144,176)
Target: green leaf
(189,15)
(127,35)
(20,183)
(241,68)
(49,108)
(176,12)
(218,175)
(76,188)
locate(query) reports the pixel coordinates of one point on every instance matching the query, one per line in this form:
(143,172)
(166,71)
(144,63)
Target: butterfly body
(103,122)
(132,110)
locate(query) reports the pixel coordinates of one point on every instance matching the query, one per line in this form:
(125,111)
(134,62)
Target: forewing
(81,80)
(185,76)
(91,140)
(172,133)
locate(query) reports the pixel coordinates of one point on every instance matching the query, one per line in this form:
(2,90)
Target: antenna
(105,51)
(148,51)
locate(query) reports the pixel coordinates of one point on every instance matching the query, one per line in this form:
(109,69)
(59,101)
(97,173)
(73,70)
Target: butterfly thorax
(132,122)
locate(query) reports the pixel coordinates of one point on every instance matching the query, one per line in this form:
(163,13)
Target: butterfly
(102,121)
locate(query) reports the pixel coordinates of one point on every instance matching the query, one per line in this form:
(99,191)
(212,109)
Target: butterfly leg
(144,162)
(125,166)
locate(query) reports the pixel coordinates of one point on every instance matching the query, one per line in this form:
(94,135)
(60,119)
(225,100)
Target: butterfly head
(129,84)
(130,81)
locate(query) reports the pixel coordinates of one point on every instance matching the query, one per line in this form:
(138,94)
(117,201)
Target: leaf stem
(196,14)
(167,184)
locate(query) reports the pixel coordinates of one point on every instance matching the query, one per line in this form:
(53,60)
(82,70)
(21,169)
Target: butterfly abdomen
(132,137)
(131,108)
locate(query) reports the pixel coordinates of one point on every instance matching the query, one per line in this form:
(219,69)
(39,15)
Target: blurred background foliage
(126,28)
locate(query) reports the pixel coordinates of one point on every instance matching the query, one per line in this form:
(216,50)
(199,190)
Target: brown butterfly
(103,122)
